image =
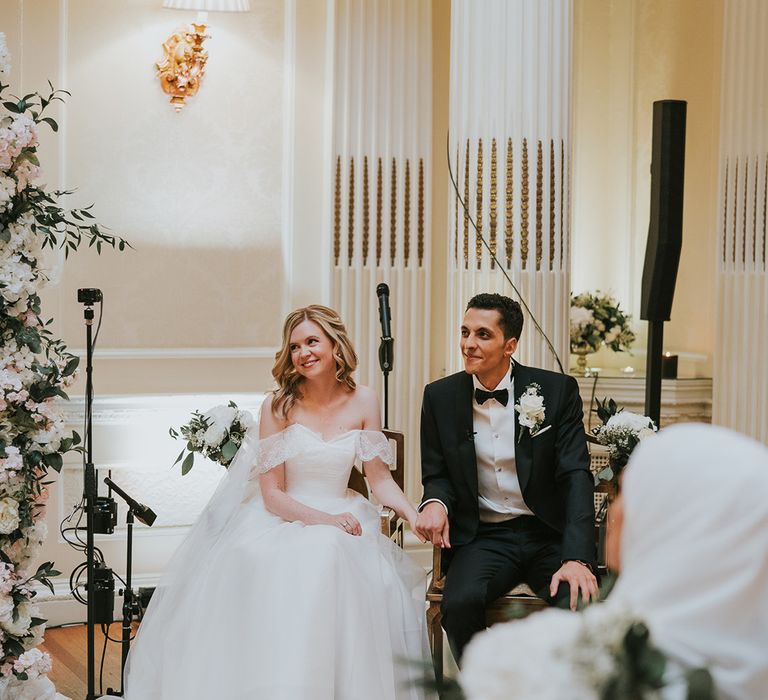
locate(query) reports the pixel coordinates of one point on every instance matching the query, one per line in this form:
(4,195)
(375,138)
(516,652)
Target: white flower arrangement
(35,369)
(530,407)
(597,319)
(216,434)
(620,432)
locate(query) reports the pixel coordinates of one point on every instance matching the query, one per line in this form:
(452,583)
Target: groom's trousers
(501,556)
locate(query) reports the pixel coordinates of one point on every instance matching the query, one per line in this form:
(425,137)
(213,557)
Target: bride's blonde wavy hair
(285,374)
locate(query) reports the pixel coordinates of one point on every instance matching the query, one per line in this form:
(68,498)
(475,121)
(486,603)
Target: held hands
(578,577)
(347,522)
(432,525)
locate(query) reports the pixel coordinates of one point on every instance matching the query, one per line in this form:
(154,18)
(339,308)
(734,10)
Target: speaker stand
(653,371)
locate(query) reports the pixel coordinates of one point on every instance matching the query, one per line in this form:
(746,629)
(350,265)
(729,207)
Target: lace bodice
(319,467)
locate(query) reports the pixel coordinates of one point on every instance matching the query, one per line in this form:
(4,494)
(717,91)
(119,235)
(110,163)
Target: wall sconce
(183,64)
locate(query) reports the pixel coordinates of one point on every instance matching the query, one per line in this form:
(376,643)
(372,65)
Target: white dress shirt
(499,494)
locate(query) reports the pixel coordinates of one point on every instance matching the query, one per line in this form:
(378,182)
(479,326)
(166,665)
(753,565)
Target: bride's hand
(347,522)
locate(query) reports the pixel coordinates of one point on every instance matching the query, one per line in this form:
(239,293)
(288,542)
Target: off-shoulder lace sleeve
(372,444)
(275,449)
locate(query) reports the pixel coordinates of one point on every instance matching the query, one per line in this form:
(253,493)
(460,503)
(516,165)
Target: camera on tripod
(89,296)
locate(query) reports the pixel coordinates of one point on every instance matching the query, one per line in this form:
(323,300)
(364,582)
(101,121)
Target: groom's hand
(579,577)
(432,525)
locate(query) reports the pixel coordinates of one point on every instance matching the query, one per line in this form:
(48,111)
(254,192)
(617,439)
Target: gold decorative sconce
(183,64)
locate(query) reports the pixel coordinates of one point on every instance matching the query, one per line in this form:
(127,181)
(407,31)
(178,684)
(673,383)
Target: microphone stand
(146,516)
(90,501)
(385,361)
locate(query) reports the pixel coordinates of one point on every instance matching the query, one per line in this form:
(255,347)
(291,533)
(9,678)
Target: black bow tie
(501,395)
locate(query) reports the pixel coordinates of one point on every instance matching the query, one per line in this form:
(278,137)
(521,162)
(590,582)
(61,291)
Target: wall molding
(255,353)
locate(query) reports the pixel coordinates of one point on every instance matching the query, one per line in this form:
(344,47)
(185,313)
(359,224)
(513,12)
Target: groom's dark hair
(511,314)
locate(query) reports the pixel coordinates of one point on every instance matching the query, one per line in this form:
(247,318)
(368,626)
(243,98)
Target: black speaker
(665,231)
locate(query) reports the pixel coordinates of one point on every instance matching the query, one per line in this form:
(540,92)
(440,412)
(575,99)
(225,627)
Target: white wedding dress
(254,606)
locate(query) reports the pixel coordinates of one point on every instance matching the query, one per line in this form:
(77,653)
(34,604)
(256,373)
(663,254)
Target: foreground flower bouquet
(216,434)
(620,432)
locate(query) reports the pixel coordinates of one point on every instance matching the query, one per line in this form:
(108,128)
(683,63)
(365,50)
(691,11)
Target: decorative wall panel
(382,143)
(510,154)
(740,396)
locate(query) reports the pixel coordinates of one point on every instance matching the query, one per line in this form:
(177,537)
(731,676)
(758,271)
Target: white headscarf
(694,552)
(694,569)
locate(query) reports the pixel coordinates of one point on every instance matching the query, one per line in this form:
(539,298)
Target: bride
(285,589)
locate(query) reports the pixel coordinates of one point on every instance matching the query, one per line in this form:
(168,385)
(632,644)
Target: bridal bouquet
(216,434)
(620,433)
(597,319)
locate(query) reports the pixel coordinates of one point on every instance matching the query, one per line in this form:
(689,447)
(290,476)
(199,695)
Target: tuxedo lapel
(523,443)
(465,430)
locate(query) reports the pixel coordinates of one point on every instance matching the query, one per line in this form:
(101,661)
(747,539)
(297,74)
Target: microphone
(471,435)
(385,315)
(143,513)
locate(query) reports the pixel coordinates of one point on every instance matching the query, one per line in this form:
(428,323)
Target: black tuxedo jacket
(552,468)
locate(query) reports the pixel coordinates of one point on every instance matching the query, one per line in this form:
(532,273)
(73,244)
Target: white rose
(581,316)
(215,435)
(6,608)
(222,415)
(612,334)
(531,409)
(644,433)
(627,419)
(20,626)
(9,516)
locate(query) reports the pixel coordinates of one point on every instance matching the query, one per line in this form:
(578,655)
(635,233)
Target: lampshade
(209,5)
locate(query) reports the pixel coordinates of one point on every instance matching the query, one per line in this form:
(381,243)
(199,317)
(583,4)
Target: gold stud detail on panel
(735,205)
(420,239)
(351,214)
(492,211)
(366,212)
(407,213)
(456,215)
(509,198)
(551,204)
(393,216)
(466,208)
(337,213)
(379,210)
(539,203)
(524,197)
(479,207)
(765,210)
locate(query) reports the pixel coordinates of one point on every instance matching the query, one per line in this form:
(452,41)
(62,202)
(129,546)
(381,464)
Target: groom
(507,488)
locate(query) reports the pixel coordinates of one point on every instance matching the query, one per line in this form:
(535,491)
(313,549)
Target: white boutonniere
(530,406)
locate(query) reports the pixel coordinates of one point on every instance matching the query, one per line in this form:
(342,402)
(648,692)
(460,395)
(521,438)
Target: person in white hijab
(690,539)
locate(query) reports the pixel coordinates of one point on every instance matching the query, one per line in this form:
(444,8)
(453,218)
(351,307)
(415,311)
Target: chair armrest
(387,520)
(438,578)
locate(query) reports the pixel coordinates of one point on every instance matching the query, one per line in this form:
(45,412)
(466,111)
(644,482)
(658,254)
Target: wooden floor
(68,649)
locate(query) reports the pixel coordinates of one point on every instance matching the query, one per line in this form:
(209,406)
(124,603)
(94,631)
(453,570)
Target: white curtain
(740,393)
(510,151)
(382,107)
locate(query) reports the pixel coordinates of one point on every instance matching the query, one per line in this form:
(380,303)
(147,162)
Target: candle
(668,366)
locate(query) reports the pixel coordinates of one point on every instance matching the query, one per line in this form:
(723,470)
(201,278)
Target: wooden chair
(391,524)
(521,599)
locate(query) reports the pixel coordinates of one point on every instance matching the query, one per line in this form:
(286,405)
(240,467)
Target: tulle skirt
(284,611)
